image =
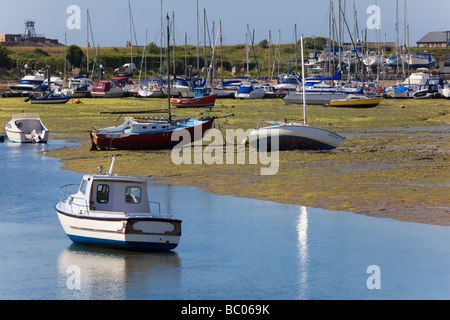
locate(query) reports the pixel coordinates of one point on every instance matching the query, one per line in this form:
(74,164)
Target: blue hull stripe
(145,246)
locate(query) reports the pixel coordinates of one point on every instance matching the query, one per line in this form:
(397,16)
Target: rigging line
(95,50)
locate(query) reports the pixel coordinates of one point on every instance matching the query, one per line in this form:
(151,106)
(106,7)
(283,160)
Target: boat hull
(313,98)
(148,234)
(49,101)
(108,94)
(26,129)
(363,103)
(21,137)
(207,101)
(295,137)
(151,140)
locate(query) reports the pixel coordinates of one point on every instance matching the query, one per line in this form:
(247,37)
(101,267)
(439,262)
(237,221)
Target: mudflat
(392,164)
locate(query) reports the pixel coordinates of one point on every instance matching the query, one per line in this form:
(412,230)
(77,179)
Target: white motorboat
(79,88)
(289,85)
(27,84)
(26,128)
(151,89)
(432,89)
(249,90)
(403,92)
(108,210)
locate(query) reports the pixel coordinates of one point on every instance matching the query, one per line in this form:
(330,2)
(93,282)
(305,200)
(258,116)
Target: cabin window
(102,193)
(154,127)
(133,195)
(83,186)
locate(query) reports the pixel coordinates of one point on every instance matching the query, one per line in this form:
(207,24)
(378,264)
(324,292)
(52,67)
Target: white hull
(151,93)
(145,233)
(293,136)
(313,98)
(77,94)
(109,94)
(26,130)
(446,93)
(21,137)
(255,94)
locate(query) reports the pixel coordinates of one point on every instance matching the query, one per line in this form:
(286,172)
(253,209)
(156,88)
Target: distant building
(28,39)
(18,40)
(433,39)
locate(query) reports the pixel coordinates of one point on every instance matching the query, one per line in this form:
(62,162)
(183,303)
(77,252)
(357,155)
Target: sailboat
(293,136)
(149,132)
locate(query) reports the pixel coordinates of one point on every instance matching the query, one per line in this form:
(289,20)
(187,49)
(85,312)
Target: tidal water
(231,248)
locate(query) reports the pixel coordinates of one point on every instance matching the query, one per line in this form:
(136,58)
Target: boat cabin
(102,86)
(146,125)
(111,193)
(202,92)
(121,82)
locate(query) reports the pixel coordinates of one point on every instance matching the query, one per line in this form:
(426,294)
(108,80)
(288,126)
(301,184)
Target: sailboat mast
(161,42)
(221,51)
(131,31)
(303,80)
(168,66)
(87,42)
(296,58)
(198,44)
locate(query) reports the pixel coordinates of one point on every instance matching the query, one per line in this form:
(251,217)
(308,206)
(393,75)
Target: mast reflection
(302,246)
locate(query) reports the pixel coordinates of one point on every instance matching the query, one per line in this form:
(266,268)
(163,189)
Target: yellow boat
(353,101)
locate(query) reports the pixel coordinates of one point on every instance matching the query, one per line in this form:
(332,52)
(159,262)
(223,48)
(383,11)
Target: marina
(311,167)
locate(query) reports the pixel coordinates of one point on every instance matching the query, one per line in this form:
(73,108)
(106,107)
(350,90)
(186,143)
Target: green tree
(153,48)
(5,61)
(74,55)
(263,44)
(315,43)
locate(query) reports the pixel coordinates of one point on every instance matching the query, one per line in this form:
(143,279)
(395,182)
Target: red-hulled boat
(202,98)
(149,133)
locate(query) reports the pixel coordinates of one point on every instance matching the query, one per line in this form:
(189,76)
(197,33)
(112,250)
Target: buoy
(402,106)
(77,101)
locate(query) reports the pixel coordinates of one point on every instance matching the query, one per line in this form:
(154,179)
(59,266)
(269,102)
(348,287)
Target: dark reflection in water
(231,248)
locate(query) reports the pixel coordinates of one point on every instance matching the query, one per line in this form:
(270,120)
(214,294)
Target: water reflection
(96,273)
(302,246)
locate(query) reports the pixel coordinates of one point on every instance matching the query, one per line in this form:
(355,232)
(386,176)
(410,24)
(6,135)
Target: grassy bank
(393,163)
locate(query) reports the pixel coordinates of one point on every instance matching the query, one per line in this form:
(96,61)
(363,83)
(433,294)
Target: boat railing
(63,191)
(157,203)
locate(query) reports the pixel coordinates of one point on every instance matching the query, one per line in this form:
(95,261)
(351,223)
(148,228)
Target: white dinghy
(26,128)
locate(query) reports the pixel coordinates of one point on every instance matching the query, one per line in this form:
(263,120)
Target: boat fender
(155,86)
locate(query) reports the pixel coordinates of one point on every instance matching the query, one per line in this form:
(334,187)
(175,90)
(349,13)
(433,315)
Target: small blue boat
(50,98)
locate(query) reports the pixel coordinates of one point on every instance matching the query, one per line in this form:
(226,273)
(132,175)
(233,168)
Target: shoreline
(393,163)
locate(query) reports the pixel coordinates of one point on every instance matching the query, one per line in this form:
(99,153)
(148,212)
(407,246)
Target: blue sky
(110,20)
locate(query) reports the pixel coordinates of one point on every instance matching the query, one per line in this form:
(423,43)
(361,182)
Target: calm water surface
(231,248)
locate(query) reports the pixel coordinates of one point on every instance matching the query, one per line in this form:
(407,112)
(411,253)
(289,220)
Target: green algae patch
(393,163)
